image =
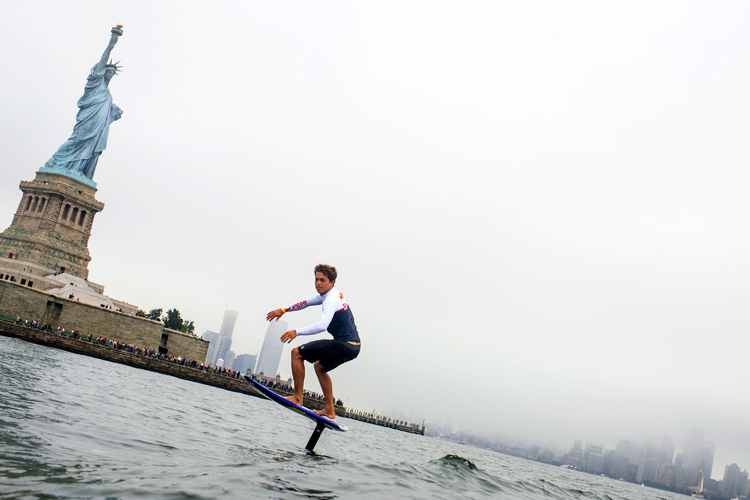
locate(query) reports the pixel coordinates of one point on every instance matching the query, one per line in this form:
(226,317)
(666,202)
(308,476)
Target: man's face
(322,285)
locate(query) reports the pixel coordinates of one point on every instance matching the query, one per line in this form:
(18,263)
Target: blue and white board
(318,419)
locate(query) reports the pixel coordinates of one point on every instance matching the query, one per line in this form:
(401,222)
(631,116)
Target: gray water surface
(78,427)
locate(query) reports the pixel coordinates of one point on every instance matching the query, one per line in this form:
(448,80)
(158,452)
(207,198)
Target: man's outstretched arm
(297,306)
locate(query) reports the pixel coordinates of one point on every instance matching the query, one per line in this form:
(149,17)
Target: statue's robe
(81,151)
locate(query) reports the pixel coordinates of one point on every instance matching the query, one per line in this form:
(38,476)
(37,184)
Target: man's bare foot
(329,414)
(295,400)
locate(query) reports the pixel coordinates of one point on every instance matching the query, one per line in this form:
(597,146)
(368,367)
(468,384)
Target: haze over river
(78,427)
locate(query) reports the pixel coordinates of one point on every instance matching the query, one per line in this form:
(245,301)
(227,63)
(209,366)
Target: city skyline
(658,464)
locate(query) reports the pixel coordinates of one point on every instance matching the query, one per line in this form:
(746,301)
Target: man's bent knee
(295,353)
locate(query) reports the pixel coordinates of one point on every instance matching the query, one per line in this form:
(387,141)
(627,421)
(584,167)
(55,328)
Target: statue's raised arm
(116,33)
(79,155)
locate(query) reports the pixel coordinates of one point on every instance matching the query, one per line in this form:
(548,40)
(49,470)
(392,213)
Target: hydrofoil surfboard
(321,422)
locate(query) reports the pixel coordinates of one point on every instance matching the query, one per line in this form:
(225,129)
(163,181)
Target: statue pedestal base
(67,173)
(52,225)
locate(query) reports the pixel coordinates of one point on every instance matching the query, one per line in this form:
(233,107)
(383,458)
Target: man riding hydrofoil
(325,355)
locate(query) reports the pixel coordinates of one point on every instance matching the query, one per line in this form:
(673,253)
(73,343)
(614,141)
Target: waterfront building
(681,482)
(665,453)
(696,451)
(626,449)
(668,475)
(745,490)
(575,458)
(595,463)
(619,467)
(594,448)
(647,470)
(270,353)
(591,448)
(733,479)
(244,362)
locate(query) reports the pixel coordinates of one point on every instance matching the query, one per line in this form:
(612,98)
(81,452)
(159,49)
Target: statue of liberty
(80,153)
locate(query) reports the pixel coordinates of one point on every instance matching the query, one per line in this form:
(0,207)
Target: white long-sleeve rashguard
(336,316)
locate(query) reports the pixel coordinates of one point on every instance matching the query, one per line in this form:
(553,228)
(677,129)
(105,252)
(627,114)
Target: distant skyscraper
(221,342)
(575,455)
(619,467)
(647,470)
(270,353)
(223,346)
(696,450)
(594,448)
(228,362)
(733,479)
(210,336)
(745,491)
(669,475)
(244,362)
(665,454)
(227,325)
(626,449)
(595,463)
(591,448)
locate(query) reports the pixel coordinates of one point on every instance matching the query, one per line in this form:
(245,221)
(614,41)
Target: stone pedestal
(51,228)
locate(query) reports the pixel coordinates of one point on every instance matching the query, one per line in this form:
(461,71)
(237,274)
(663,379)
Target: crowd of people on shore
(132,348)
(275,385)
(37,325)
(177,360)
(33,324)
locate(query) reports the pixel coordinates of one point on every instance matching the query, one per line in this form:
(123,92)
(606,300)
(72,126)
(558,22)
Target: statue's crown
(115,66)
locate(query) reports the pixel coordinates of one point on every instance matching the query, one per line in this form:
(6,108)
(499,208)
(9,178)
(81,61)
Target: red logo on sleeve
(298,305)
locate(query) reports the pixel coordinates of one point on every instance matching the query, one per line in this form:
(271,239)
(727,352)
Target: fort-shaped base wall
(28,303)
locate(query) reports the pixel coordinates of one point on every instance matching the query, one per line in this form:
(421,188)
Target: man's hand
(276,314)
(288,336)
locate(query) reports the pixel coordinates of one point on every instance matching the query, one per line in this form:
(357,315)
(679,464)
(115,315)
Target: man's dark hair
(328,271)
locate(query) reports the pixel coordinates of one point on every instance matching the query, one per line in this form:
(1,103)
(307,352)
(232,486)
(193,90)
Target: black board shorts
(330,353)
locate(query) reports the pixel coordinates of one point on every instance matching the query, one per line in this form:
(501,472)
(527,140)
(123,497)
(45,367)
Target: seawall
(17,300)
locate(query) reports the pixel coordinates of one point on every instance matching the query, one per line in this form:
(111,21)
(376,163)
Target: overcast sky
(538,211)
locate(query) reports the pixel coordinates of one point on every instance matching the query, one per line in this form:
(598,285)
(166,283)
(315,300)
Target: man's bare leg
(327,385)
(298,374)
